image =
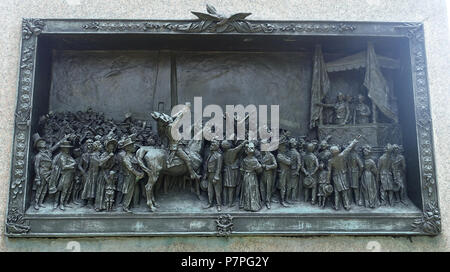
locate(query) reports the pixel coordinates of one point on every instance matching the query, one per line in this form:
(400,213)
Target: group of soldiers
(96,166)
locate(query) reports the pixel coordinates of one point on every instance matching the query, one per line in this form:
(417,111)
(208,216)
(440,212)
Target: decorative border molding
(15,223)
(213,22)
(20,224)
(32,27)
(210,27)
(430,222)
(224,225)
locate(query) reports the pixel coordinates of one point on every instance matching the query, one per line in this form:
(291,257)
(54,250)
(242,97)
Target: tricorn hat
(36,139)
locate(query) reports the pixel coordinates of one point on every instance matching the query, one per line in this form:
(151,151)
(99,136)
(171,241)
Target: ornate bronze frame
(18,223)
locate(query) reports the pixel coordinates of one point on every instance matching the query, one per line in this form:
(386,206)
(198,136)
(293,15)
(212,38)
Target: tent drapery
(320,86)
(358,61)
(378,89)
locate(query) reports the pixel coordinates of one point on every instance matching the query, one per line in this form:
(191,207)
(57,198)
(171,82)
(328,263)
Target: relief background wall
(432,13)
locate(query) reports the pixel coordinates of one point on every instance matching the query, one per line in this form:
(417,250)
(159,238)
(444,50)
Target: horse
(153,161)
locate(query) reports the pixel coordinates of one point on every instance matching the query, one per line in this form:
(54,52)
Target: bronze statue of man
(310,166)
(92,160)
(78,177)
(362,111)
(338,171)
(355,167)
(341,109)
(269,166)
(166,123)
(107,163)
(214,175)
(284,162)
(230,169)
(385,177)
(42,168)
(63,170)
(130,174)
(294,177)
(398,172)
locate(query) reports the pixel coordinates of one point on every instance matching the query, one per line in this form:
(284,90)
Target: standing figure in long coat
(62,175)
(355,165)
(120,178)
(369,188)
(296,164)
(230,169)
(362,111)
(88,194)
(385,177)
(398,173)
(310,166)
(107,162)
(43,169)
(130,174)
(214,175)
(284,163)
(341,109)
(338,171)
(250,167)
(269,166)
(78,177)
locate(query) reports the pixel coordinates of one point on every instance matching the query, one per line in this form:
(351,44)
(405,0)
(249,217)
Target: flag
(320,86)
(378,89)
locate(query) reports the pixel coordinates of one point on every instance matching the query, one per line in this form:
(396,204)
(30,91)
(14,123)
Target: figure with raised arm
(230,169)
(341,109)
(42,168)
(338,173)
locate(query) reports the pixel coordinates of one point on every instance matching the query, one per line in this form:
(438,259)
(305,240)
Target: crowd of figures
(88,160)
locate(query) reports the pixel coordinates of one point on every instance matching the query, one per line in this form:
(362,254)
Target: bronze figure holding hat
(62,176)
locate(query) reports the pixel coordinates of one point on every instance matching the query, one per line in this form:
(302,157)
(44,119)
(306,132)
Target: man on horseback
(165,125)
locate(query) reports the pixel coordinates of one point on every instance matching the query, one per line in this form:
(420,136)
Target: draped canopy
(358,61)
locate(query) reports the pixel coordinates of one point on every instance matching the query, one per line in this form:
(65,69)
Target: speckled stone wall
(431,12)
